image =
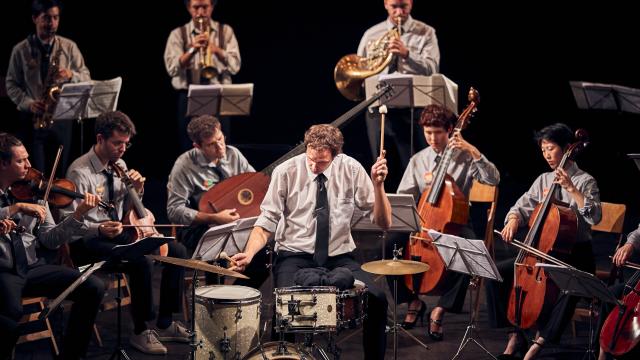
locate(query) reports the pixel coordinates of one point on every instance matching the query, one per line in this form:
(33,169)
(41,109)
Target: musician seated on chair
(102,230)
(621,289)
(199,170)
(467,163)
(24,228)
(309,206)
(580,191)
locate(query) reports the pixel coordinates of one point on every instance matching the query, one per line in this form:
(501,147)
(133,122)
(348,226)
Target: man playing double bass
(197,171)
(467,163)
(580,191)
(93,172)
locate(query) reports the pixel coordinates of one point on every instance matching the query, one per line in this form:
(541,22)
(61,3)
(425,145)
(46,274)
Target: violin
(62,192)
(552,230)
(139,218)
(620,332)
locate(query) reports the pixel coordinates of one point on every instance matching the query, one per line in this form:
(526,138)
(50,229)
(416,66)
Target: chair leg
(96,334)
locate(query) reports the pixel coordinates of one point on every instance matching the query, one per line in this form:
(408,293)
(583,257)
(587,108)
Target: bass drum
(278,350)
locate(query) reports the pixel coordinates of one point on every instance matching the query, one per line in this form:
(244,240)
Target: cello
(245,192)
(140,218)
(620,332)
(552,230)
(442,207)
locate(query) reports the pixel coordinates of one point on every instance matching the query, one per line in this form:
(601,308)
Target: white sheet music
(231,238)
(606,96)
(87,99)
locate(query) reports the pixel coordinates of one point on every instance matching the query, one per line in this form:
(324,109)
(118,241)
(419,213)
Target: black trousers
(553,320)
(50,281)
(373,334)
(456,284)
(140,274)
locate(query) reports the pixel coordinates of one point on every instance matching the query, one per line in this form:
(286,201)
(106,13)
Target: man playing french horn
(201,51)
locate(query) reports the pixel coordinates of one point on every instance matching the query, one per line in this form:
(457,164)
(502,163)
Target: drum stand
(193,343)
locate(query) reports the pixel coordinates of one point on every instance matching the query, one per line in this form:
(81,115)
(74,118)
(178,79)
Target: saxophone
(50,94)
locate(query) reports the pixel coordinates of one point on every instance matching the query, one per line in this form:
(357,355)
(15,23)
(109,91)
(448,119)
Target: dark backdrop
(520,57)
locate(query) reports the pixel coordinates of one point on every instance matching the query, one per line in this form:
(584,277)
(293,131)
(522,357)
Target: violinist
(622,255)
(103,230)
(195,172)
(23,272)
(467,164)
(580,191)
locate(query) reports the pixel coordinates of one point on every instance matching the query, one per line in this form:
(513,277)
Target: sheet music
(231,238)
(104,96)
(236,99)
(87,99)
(404,216)
(606,96)
(203,99)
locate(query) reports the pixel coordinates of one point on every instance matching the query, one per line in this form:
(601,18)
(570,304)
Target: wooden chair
(487,194)
(32,317)
(612,223)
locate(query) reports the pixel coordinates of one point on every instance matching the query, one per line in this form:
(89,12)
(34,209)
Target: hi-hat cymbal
(199,265)
(395,267)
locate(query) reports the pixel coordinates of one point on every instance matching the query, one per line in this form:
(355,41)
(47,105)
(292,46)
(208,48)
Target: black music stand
(635,158)
(219,99)
(606,97)
(119,255)
(470,257)
(579,283)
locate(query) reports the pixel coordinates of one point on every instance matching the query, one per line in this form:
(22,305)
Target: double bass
(553,228)
(620,332)
(442,207)
(245,192)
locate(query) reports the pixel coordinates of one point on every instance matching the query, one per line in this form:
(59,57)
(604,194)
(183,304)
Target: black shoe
(419,314)
(520,350)
(434,335)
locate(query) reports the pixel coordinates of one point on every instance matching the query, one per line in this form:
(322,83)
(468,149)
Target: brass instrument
(207,70)
(351,70)
(50,94)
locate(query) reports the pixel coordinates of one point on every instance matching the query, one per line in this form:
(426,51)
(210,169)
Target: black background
(520,56)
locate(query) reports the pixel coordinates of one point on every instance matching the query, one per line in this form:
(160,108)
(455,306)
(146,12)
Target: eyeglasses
(118,144)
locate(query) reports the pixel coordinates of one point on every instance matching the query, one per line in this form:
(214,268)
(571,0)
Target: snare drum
(227,321)
(352,306)
(278,351)
(307,309)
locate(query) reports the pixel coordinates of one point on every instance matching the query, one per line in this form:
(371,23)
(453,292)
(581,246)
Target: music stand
(579,283)
(83,100)
(635,158)
(219,99)
(606,97)
(231,237)
(470,257)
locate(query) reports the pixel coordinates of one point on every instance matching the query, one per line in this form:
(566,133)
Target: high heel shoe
(419,314)
(520,348)
(435,335)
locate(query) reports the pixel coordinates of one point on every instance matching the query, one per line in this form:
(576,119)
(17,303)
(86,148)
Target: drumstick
(383,112)
(223,255)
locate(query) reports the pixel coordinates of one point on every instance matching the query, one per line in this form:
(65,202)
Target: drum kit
(226,318)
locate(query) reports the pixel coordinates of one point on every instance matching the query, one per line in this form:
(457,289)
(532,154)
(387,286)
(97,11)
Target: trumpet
(207,70)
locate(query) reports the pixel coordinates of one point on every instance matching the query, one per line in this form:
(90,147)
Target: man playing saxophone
(39,63)
(415,52)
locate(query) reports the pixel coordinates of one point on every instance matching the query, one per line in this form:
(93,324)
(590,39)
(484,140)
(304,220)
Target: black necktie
(437,161)
(19,252)
(322,222)
(44,62)
(221,173)
(113,213)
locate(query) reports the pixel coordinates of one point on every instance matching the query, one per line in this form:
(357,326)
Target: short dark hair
(437,116)
(324,136)
(7,141)
(202,127)
(40,6)
(111,121)
(558,133)
(187,2)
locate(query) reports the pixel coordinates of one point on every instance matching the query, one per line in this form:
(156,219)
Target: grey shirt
(419,38)
(462,168)
(86,172)
(288,209)
(192,175)
(589,215)
(24,84)
(634,238)
(50,235)
(177,45)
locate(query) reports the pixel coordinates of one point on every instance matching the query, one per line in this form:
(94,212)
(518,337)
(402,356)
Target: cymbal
(198,265)
(395,267)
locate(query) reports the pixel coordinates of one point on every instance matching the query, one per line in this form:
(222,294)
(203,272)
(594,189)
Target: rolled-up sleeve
(592,209)
(178,187)
(274,202)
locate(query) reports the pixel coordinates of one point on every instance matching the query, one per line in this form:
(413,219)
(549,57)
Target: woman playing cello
(465,165)
(580,191)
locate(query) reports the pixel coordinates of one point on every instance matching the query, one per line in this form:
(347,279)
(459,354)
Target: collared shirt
(590,214)
(177,45)
(86,172)
(192,176)
(634,238)
(50,235)
(462,168)
(24,83)
(288,207)
(419,38)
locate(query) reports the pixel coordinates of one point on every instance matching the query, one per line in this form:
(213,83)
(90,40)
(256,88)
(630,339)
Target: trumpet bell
(208,72)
